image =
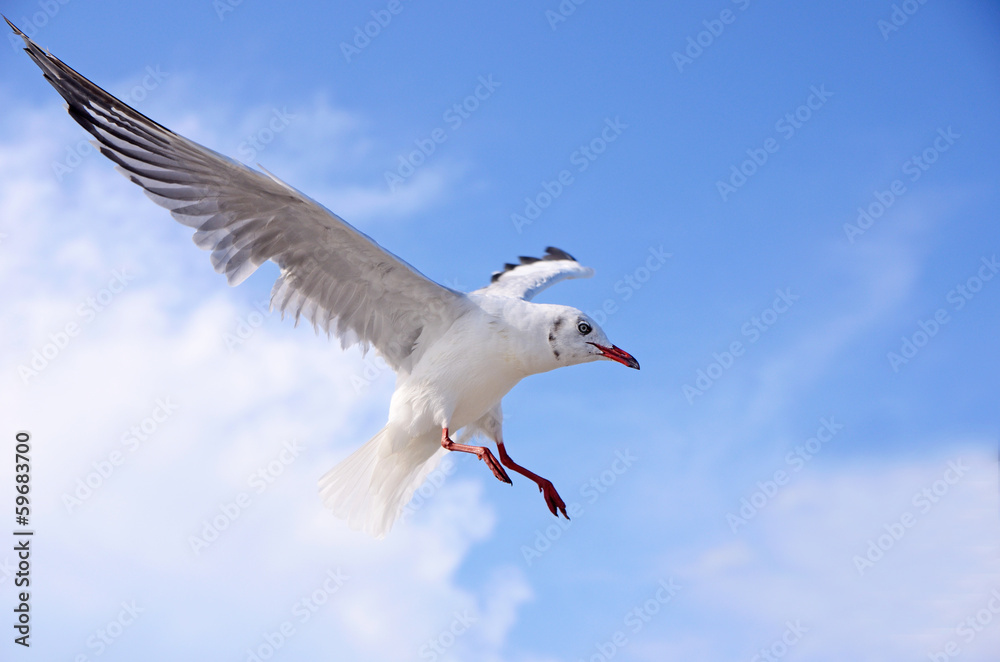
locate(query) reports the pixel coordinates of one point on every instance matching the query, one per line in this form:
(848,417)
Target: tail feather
(371,486)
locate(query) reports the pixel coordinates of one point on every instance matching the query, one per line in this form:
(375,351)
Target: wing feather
(330,273)
(532,275)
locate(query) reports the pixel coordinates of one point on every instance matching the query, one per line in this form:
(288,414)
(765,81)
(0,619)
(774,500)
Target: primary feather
(333,275)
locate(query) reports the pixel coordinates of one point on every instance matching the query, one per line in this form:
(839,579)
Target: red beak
(616,354)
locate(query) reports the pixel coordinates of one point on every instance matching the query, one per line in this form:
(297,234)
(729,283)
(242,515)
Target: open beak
(616,354)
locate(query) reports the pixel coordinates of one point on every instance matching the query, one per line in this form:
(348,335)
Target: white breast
(460,377)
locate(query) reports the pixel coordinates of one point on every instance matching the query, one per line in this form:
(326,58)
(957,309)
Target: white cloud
(797,559)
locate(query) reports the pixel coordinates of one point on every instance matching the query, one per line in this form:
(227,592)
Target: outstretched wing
(533,274)
(331,274)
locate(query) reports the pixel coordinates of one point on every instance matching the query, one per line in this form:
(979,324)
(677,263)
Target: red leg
(552,499)
(483,454)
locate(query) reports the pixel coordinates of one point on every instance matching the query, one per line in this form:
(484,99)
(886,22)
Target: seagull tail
(371,486)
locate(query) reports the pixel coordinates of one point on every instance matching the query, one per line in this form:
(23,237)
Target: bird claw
(495,467)
(483,454)
(552,499)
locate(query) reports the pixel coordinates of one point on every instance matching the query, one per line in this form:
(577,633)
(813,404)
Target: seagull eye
(583,328)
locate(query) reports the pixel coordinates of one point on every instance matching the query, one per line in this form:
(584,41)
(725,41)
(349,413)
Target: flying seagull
(455,354)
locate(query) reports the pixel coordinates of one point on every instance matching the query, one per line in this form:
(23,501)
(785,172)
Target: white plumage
(456,355)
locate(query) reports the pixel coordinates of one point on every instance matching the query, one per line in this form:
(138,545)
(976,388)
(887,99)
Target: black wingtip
(551,253)
(13,27)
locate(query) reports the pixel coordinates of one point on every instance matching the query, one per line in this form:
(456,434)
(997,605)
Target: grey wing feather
(532,275)
(331,274)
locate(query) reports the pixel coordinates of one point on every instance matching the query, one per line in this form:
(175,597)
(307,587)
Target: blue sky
(766,330)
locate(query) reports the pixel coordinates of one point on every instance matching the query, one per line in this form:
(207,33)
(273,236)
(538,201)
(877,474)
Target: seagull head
(576,338)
